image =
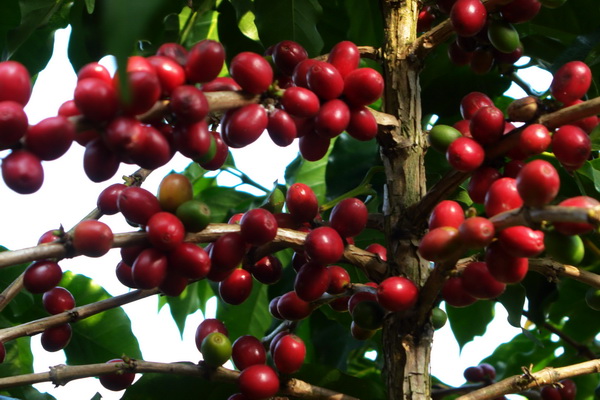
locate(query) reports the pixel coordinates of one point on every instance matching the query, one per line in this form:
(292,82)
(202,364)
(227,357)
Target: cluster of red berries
(321,100)
(566,389)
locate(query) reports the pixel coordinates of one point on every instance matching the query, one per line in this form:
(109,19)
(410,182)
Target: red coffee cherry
(332,119)
(57,337)
(251,71)
(345,57)
(137,205)
(189,260)
(457,55)
(397,293)
(281,128)
(324,245)
(518,11)
(99,162)
(258,382)
(144,91)
(363,86)
(268,270)
(301,202)
(2,352)
(454,293)
(236,287)
(204,61)
(534,139)
(446,213)
(22,172)
(92,238)
(576,228)
(465,154)
(258,226)
(289,354)
(174,51)
(487,125)
(42,276)
(339,279)
(502,196)
(222,150)
(287,54)
(13,123)
(293,308)
(300,102)
(472,102)
(538,183)
(312,281)
(125,274)
(165,231)
(349,217)
(107,199)
(378,249)
(301,71)
(481,180)
(94,70)
(15,82)
(195,141)
(324,80)
(474,374)
(246,351)
(571,146)
(479,282)
(149,269)
(440,244)
(206,327)
(313,146)
(169,72)
(245,125)
(476,232)
(503,266)
(117,381)
(226,254)
(362,125)
(189,104)
(468,17)
(96,99)
(57,300)
(571,82)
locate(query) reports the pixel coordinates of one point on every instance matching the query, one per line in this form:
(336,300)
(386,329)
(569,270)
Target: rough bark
(407,347)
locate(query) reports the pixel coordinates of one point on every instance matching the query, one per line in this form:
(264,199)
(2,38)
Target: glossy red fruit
(458,56)
(472,102)
(15,82)
(144,91)
(226,254)
(96,99)
(273,308)
(587,124)
(302,202)
(204,61)
(123,135)
(258,382)
(42,276)
(339,279)
(137,205)
(57,337)
(22,172)
(125,274)
(165,231)
(289,354)
(534,139)
(221,153)
(550,393)
(468,17)
(281,128)
(568,389)
(2,352)
(378,249)
(195,141)
(324,245)
(512,168)
(502,196)
(489,372)
(474,374)
(206,327)
(189,260)
(440,244)
(518,11)
(454,293)
(236,288)
(169,72)
(482,60)
(57,300)
(247,350)
(117,381)
(487,125)
(505,267)
(251,71)
(300,102)
(481,180)
(221,84)
(362,125)
(363,86)
(332,119)
(571,146)
(92,238)
(397,293)
(50,236)
(465,154)
(425,19)
(538,183)
(245,125)
(287,54)
(189,104)
(154,151)
(313,146)
(293,308)
(571,82)
(174,51)
(311,281)
(13,123)
(479,282)
(576,228)
(446,213)
(325,80)
(268,270)
(476,232)
(99,162)
(107,199)
(349,217)
(258,226)
(345,57)
(149,269)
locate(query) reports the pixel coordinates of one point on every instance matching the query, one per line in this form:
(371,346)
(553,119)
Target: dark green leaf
(252,317)
(89,6)
(289,20)
(540,294)
(513,299)
(311,173)
(183,305)
(225,201)
(366,22)
(471,321)
(103,336)
(230,34)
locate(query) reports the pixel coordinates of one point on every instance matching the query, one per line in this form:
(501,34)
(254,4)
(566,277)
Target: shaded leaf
(468,322)
(225,201)
(366,22)
(513,300)
(230,35)
(252,317)
(183,305)
(311,173)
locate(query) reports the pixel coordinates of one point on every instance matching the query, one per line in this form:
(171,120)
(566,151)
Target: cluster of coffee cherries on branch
(483,39)
(321,100)
(483,373)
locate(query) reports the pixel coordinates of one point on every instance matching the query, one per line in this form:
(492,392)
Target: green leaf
(289,20)
(103,336)
(366,22)
(89,6)
(471,321)
(205,292)
(183,305)
(162,386)
(230,34)
(252,317)
(513,299)
(225,201)
(311,173)
(540,295)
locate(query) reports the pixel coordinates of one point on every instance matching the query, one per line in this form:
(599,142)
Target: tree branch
(62,374)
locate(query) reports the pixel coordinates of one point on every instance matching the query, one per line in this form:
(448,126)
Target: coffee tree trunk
(407,352)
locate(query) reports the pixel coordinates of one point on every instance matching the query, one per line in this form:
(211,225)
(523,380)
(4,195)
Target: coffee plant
(418,184)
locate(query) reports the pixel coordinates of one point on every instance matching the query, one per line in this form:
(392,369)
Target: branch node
(55,375)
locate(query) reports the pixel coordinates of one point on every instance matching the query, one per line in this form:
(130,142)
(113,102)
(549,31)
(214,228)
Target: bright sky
(67,196)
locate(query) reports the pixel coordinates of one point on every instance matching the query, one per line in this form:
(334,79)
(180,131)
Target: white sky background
(67,195)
